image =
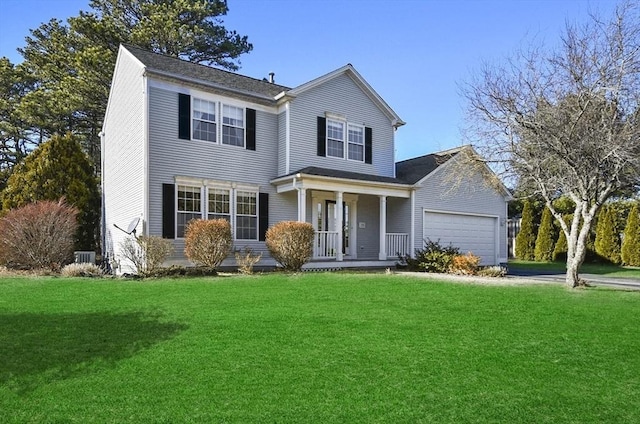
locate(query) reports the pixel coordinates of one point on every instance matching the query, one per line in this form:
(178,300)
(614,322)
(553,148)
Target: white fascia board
(314,182)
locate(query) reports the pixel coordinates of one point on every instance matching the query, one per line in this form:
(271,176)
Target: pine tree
(607,236)
(546,238)
(526,238)
(58,169)
(631,243)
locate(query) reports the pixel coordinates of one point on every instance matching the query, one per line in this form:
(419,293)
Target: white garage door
(470,233)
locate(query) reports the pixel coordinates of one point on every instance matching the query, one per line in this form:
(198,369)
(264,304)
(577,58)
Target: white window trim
(216,106)
(345,137)
(344,131)
(233,188)
(244,124)
(236,215)
(350,124)
(177,212)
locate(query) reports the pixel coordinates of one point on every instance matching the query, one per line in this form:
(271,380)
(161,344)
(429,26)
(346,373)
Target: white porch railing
(324,245)
(397,244)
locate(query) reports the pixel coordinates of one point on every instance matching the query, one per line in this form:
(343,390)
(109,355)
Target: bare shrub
(291,243)
(82,270)
(208,242)
(246,259)
(146,253)
(39,235)
(467,264)
(493,271)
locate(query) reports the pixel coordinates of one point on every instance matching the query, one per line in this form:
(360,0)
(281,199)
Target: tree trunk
(577,244)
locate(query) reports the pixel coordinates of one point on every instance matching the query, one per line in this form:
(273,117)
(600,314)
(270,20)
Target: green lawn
(315,348)
(600,269)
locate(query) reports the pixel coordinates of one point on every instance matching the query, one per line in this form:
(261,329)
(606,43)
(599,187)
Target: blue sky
(414,53)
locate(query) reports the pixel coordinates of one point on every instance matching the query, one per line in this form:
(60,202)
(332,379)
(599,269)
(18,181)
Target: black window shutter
(251,129)
(184,116)
(322,136)
(168,211)
(263,215)
(368,145)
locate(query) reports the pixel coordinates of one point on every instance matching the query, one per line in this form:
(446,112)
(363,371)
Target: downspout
(103,223)
(287,139)
(412,233)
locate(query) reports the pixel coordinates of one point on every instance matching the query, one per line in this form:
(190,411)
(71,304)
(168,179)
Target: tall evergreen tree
(526,238)
(546,238)
(631,242)
(607,242)
(58,169)
(560,249)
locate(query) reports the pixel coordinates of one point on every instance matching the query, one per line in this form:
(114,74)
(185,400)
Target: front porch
(358,222)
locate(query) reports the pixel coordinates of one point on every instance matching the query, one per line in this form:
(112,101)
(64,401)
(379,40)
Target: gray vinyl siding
(342,96)
(368,238)
(473,196)
(170,157)
(123,170)
(282,143)
(398,215)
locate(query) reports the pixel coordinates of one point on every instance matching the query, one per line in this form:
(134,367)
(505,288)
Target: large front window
(232,125)
(204,120)
(356,143)
(335,139)
(246,216)
(189,207)
(219,205)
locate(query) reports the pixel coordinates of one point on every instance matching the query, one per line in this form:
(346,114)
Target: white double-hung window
(204,120)
(189,207)
(335,138)
(355,142)
(219,205)
(233,125)
(246,215)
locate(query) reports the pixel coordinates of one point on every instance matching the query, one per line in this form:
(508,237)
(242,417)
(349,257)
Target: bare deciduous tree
(566,121)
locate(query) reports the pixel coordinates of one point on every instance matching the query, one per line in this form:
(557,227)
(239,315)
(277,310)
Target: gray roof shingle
(413,170)
(335,173)
(206,74)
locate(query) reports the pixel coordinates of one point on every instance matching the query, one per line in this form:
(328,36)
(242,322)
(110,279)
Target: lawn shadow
(38,348)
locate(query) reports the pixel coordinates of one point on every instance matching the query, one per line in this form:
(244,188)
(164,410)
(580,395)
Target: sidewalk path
(593,279)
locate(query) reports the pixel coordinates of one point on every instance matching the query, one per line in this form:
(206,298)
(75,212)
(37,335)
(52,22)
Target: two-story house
(183,141)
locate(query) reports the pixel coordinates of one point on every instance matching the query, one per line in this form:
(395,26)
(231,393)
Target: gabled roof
(349,70)
(413,170)
(182,69)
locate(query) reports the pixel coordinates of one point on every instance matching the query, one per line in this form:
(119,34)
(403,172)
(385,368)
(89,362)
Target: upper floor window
(189,207)
(356,143)
(200,119)
(204,120)
(335,138)
(232,125)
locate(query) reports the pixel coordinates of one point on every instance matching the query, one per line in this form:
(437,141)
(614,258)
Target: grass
(613,271)
(315,348)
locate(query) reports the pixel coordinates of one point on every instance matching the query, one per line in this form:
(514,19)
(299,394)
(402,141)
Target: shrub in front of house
(466,264)
(38,235)
(432,258)
(246,260)
(146,253)
(81,270)
(290,243)
(208,242)
(492,271)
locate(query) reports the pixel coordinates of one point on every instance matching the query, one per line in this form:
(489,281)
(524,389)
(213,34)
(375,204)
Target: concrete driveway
(593,279)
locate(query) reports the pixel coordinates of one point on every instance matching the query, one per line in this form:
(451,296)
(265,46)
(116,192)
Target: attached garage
(469,232)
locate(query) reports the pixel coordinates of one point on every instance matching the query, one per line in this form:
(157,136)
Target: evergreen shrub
(630,251)
(526,238)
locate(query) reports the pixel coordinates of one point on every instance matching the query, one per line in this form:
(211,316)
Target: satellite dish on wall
(131,228)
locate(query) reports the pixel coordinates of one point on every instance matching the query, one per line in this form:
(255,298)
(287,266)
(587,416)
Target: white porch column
(302,205)
(339,225)
(383,228)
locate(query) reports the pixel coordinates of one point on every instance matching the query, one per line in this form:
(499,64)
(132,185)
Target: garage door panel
(469,233)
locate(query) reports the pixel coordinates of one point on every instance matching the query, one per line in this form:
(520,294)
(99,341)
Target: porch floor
(332,264)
